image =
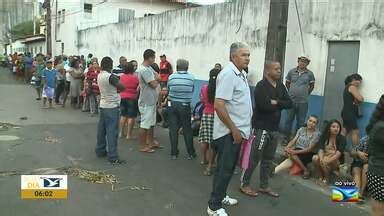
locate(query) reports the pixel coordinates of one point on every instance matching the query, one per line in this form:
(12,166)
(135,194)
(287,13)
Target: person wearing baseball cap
(304,58)
(300,83)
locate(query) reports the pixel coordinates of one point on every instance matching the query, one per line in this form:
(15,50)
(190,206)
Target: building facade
(14,12)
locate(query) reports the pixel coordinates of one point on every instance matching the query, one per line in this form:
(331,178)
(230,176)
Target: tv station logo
(44,187)
(345,192)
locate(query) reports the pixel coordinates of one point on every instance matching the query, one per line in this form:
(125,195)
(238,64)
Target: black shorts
(349,121)
(38,84)
(129,108)
(357,163)
(67,86)
(305,158)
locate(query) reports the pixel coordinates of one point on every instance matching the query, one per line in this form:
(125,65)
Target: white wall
(102,14)
(325,20)
(141,7)
(67,31)
(35,47)
(18,46)
(202,35)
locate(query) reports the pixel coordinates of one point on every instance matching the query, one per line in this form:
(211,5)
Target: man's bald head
(273,69)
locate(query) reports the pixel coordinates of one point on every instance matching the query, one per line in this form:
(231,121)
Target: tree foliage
(22,29)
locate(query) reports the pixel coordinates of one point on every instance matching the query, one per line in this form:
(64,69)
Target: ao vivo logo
(345,192)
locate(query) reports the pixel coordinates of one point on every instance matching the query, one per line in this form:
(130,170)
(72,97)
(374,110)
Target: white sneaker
(229,201)
(219,212)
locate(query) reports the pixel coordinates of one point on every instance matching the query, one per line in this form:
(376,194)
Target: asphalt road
(149,184)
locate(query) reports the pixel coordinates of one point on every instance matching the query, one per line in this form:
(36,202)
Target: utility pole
(34,16)
(48,20)
(277,31)
(9,31)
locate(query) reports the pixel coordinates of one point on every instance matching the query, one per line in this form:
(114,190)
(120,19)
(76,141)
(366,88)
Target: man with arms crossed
(149,82)
(271,97)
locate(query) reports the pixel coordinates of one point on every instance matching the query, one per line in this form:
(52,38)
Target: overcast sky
(207,1)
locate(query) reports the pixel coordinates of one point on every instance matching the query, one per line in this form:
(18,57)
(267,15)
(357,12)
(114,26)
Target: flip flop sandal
(250,192)
(269,193)
(147,150)
(157,147)
(306,175)
(207,172)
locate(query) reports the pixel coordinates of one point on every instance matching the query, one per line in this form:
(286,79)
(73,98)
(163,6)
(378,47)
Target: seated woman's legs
(364,178)
(303,160)
(316,162)
(377,208)
(297,160)
(329,168)
(357,177)
(355,137)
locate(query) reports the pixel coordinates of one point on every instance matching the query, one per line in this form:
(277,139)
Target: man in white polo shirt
(232,124)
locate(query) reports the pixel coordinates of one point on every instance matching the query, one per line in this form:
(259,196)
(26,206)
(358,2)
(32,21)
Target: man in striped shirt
(180,88)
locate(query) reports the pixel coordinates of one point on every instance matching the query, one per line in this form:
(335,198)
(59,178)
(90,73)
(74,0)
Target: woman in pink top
(206,127)
(129,96)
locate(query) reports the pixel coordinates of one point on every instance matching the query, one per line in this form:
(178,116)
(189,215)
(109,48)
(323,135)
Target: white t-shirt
(109,98)
(68,76)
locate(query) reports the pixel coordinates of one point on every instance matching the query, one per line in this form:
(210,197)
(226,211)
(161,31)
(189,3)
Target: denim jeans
(107,133)
(165,114)
(228,154)
(91,103)
(263,148)
(299,110)
(179,115)
(59,90)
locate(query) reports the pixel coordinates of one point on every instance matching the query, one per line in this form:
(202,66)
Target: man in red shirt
(165,70)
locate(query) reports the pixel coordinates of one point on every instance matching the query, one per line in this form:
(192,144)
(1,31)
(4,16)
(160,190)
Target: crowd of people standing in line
(232,130)
(256,141)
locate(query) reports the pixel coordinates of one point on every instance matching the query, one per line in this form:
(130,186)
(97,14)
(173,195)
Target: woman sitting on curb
(300,149)
(330,155)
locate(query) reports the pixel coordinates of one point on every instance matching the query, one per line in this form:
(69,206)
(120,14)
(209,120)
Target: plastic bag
(245,152)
